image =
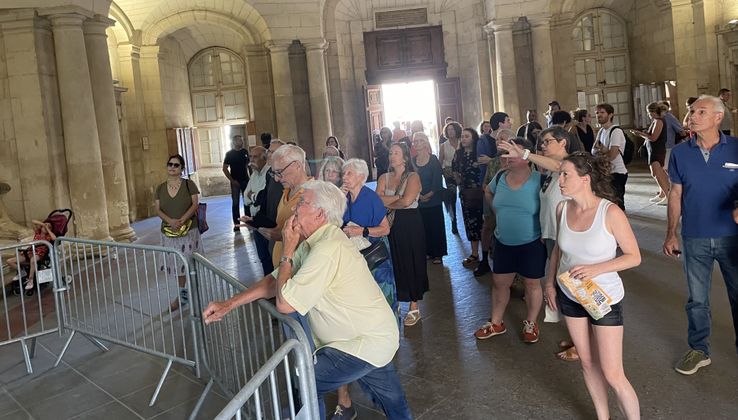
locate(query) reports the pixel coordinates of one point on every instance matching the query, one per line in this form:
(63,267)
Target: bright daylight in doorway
(411,101)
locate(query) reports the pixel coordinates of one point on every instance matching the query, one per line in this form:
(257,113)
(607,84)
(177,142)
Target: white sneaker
(22,274)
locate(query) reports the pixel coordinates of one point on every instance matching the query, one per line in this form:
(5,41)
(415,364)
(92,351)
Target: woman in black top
(583,130)
(655,140)
(466,171)
(430,201)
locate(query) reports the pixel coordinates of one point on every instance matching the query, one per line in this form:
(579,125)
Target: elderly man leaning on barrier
(322,276)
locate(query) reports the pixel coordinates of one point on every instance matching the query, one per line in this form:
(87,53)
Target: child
(42,232)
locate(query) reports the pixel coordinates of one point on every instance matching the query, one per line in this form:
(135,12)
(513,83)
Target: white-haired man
(704,191)
(326,279)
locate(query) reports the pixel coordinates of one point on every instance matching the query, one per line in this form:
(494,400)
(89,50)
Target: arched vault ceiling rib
(180,20)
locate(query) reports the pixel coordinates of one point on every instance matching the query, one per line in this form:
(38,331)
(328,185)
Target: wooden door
(448,102)
(374,116)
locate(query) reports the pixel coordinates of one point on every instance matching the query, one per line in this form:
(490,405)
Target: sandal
(565,344)
(568,355)
(412,318)
(437,260)
(470,261)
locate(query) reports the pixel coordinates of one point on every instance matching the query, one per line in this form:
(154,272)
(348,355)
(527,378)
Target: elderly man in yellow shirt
(326,279)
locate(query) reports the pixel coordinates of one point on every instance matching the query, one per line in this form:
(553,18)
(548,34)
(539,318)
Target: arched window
(601,63)
(219,101)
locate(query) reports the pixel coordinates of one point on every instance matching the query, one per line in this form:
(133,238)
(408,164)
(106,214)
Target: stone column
(111,148)
(543,64)
(507,82)
(284,103)
(81,141)
(320,110)
(490,35)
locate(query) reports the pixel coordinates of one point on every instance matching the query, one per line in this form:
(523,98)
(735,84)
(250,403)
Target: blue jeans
(700,255)
(334,368)
(262,250)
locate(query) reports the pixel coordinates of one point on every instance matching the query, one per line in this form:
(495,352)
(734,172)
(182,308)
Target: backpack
(629,151)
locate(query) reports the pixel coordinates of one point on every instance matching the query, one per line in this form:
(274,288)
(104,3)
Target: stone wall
(650,38)
(175,86)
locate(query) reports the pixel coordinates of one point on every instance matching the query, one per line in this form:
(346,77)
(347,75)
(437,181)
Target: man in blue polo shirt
(704,187)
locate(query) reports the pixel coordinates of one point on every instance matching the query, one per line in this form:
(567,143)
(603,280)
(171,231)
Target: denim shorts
(528,260)
(573,309)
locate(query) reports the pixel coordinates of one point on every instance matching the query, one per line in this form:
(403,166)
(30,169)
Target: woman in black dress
(399,190)
(466,171)
(431,198)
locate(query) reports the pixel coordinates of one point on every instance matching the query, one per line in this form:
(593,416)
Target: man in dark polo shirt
(236,169)
(704,188)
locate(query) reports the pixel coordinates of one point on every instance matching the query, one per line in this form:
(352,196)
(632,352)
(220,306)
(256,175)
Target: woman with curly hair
(466,174)
(590,231)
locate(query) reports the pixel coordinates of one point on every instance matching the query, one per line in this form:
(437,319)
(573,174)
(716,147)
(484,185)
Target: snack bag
(588,294)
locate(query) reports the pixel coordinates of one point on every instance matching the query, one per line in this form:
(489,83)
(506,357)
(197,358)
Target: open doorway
(410,101)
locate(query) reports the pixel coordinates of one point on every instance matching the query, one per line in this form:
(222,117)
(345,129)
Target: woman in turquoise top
(514,195)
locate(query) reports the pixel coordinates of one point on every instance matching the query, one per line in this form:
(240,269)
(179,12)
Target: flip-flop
(568,355)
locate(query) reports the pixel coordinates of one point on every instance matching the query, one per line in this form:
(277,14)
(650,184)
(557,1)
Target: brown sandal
(568,355)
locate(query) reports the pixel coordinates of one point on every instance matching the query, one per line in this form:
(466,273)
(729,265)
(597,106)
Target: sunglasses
(173,165)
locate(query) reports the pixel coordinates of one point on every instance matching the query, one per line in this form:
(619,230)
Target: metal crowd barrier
(248,344)
(121,294)
(25,317)
(251,393)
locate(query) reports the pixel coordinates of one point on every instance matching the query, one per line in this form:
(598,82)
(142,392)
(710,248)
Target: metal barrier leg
(26,356)
(201,400)
(96,342)
(33,347)
(64,349)
(161,382)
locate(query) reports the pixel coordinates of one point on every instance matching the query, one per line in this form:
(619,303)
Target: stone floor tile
(73,402)
(175,390)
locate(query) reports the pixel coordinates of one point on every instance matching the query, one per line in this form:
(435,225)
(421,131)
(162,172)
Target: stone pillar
(490,35)
(507,82)
(543,64)
(81,141)
(685,55)
(284,103)
(111,148)
(320,110)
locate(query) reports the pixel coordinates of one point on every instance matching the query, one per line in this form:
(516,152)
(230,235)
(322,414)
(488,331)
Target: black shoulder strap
(498,177)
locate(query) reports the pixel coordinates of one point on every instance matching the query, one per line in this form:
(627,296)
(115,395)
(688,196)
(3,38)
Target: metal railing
(244,341)
(251,397)
(30,313)
(124,294)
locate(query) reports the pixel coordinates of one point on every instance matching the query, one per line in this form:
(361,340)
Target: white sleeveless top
(593,246)
(448,153)
(389,191)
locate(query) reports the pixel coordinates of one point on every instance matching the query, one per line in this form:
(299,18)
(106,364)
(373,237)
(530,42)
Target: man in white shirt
(611,142)
(257,182)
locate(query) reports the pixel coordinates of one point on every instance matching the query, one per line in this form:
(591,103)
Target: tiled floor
(446,373)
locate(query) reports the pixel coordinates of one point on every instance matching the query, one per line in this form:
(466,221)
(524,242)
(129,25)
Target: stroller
(59,220)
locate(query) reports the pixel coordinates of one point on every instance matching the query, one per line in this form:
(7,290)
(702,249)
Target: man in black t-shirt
(235,168)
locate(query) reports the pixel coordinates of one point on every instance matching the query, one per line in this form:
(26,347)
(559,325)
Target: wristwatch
(285,258)
(365,232)
(526,153)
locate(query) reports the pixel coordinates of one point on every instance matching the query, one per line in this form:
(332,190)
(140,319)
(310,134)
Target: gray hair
(330,162)
(289,153)
(359,166)
(716,102)
(328,198)
(510,134)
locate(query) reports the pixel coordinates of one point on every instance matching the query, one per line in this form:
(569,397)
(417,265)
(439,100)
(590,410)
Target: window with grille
(219,100)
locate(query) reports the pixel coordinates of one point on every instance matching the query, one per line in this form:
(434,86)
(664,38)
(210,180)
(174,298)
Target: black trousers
(618,184)
(236,197)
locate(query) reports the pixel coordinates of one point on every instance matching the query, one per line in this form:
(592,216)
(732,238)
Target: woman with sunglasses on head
(590,231)
(176,205)
(552,142)
(399,190)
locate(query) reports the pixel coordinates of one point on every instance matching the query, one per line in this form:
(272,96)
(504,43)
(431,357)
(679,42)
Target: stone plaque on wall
(406,17)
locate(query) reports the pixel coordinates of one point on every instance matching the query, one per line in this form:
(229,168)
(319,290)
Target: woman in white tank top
(590,231)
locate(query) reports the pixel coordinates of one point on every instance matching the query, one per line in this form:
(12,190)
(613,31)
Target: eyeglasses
(548,141)
(278,172)
(173,165)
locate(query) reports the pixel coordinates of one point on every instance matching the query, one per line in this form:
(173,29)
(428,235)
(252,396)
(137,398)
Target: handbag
(375,254)
(643,150)
(177,233)
(201,213)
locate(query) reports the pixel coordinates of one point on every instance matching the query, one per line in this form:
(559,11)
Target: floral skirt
(186,245)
